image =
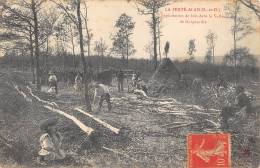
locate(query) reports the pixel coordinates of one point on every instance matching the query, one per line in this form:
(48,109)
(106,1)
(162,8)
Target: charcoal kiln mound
(165,80)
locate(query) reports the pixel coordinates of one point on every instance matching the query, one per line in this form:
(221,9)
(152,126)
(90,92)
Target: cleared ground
(152,131)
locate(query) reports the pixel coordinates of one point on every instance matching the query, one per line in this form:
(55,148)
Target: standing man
(78,82)
(103,92)
(120,80)
(53,81)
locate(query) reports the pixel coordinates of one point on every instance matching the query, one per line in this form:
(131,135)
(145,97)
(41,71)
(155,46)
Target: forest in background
(64,64)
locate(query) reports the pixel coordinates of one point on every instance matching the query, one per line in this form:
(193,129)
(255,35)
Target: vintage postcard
(129,83)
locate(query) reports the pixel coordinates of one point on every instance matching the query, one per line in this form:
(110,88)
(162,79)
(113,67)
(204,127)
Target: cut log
(217,125)
(163,110)
(165,125)
(215,110)
(115,130)
(86,129)
(167,103)
(50,103)
(23,94)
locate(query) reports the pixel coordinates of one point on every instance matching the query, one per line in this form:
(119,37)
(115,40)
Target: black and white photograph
(129,83)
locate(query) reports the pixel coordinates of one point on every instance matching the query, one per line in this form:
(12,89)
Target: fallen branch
(23,94)
(50,103)
(216,110)
(217,125)
(115,130)
(86,129)
(177,123)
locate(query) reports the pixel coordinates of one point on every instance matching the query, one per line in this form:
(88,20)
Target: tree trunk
(73,48)
(63,59)
(159,41)
(88,48)
(127,50)
(235,27)
(88,35)
(88,105)
(74,57)
(123,61)
(36,45)
(213,54)
(102,59)
(47,52)
(154,40)
(32,59)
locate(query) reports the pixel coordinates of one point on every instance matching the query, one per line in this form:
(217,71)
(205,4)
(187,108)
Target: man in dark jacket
(242,101)
(120,80)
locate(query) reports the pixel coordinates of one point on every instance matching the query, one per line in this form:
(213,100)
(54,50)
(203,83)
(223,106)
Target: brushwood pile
(165,79)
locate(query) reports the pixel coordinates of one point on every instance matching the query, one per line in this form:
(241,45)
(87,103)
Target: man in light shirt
(53,81)
(103,92)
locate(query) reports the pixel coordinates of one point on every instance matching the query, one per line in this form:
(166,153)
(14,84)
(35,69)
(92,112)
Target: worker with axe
(103,92)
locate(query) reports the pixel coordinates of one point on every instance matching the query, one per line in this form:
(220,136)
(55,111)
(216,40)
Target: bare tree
(48,20)
(88,31)
(62,38)
(208,57)
(241,27)
(72,33)
(21,17)
(151,7)
(101,47)
(149,49)
(159,34)
(17,22)
(253,6)
(36,35)
(69,9)
(211,40)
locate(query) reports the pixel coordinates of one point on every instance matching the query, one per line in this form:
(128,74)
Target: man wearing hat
(50,141)
(53,81)
(242,101)
(103,92)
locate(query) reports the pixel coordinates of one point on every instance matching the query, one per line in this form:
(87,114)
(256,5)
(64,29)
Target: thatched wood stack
(165,79)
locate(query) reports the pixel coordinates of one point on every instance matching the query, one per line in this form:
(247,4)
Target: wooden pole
(115,130)
(86,129)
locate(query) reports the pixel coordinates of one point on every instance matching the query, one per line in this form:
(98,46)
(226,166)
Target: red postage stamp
(209,151)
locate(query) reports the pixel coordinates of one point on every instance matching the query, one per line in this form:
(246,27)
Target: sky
(103,15)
